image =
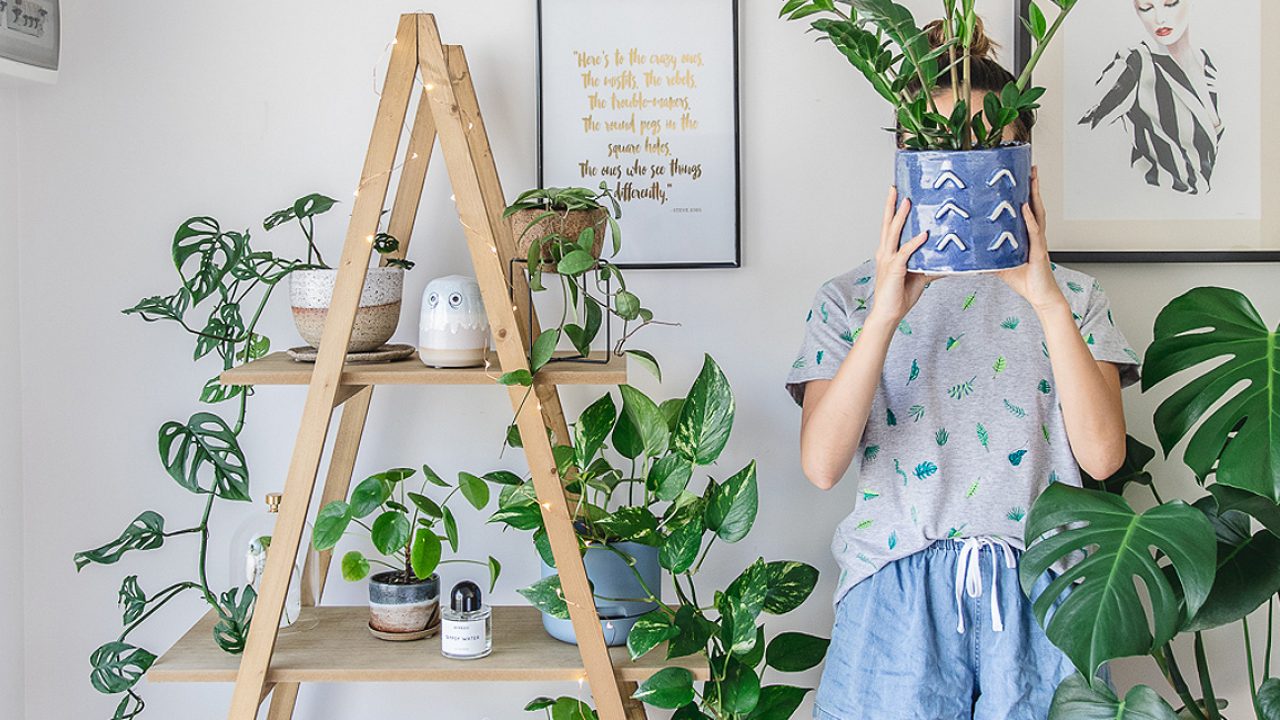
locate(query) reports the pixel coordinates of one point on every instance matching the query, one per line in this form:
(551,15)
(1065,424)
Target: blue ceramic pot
(611,578)
(970,202)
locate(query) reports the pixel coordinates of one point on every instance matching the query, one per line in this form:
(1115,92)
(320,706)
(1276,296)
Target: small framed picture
(643,96)
(30,38)
(1150,141)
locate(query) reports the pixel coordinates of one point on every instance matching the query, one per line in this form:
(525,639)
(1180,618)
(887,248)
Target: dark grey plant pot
(611,578)
(403,607)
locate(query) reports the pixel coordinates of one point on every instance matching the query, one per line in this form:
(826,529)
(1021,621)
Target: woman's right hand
(896,289)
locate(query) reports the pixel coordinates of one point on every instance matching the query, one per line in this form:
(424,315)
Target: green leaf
(390,532)
(1248,571)
(795,652)
(542,543)
(1075,699)
(737,625)
(426,505)
(1103,617)
(668,688)
(751,587)
(706,417)
(331,523)
(1208,324)
(626,438)
(777,702)
(354,566)
(571,708)
(215,392)
(312,205)
(521,516)
(118,666)
(203,254)
(232,629)
(146,532)
(575,262)
(543,348)
(205,441)
(368,496)
(646,419)
(669,476)
(547,596)
(1269,699)
(680,548)
(647,361)
(1137,456)
(627,305)
(157,307)
(516,377)
(495,569)
(132,599)
(539,703)
(450,529)
(1259,508)
(432,477)
(693,633)
(474,489)
(503,477)
(424,557)
(670,410)
(593,427)
(787,585)
(739,691)
(731,509)
(1038,24)
(395,475)
(650,630)
(635,524)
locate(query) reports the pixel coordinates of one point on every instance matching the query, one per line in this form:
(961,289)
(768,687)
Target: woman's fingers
(890,202)
(897,223)
(1037,204)
(1035,232)
(910,247)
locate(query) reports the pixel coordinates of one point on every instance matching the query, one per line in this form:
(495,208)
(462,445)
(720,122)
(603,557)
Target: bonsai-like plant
(404,526)
(661,446)
(1209,567)
(585,279)
(305,209)
(881,40)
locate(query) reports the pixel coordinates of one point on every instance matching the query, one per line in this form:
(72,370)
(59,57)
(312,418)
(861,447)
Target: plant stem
(705,550)
(1206,682)
(204,551)
(1168,663)
(1155,493)
(1025,77)
(159,599)
(1248,663)
(1271,634)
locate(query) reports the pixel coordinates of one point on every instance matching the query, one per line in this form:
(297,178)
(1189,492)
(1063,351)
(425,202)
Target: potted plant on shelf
(561,231)
(1210,569)
(404,599)
(966,184)
(652,504)
(311,287)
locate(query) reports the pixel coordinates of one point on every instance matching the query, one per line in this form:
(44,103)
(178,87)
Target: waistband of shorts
(954,545)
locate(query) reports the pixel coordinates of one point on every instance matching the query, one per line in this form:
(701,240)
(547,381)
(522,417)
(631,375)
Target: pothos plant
(660,446)
(881,40)
(225,284)
(586,281)
(405,527)
(1203,565)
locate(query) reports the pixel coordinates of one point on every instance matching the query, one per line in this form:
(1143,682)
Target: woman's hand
(1034,281)
(896,289)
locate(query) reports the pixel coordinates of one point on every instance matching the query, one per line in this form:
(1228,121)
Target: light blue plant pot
(970,202)
(611,578)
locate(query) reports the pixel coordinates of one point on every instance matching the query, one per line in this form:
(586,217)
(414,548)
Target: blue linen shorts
(896,652)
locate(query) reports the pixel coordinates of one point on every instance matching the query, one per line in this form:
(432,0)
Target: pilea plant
(405,527)
(1209,568)
(661,445)
(881,40)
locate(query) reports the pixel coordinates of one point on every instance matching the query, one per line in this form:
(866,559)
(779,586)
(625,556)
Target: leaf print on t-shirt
(850,336)
(973,489)
(1015,457)
(941,437)
(869,494)
(925,470)
(916,412)
(889,418)
(983,437)
(968,302)
(825,315)
(904,327)
(1016,513)
(818,357)
(897,467)
(1010,323)
(954,341)
(1045,387)
(915,371)
(1014,409)
(999,366)
(893,539)
(1044,430)
(870,453)
(963,389)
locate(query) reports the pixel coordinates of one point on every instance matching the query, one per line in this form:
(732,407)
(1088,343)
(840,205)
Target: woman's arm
(835,411)
(1088,389)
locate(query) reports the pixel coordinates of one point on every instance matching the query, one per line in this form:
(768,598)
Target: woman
(1165,91)
(958,400)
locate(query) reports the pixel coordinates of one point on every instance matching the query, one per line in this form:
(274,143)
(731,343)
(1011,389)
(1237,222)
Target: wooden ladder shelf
(340,649)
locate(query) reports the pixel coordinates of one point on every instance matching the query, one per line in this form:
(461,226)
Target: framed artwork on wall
(1150,140)
(644,96)
(30,39)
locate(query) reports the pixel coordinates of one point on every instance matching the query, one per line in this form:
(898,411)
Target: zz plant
(1203,564)
(648,498)
(881,40)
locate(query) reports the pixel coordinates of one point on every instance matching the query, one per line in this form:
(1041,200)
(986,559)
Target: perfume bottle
(466,626)
(249,549)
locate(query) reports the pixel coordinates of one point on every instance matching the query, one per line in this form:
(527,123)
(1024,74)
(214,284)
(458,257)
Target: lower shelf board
(339,648)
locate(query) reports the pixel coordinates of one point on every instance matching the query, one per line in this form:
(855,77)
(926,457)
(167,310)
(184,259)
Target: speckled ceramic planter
(970,202)
(569,224)
(310,292)
(403,607)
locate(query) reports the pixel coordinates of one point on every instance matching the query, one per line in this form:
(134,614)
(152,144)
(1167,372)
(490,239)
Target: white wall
(11,633)
(166,110)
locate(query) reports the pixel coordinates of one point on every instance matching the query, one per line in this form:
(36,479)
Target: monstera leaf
(1248,568)
(203,253)
(1103,617)
(1076,700)
(1240,440)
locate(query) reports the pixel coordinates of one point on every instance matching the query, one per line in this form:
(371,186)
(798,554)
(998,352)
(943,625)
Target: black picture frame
(736,262)
(1022,49)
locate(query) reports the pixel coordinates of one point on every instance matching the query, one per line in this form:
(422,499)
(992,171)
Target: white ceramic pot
(311,291)
(453,330)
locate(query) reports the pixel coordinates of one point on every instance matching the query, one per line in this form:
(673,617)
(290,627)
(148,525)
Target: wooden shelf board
(279,369)
(340,649)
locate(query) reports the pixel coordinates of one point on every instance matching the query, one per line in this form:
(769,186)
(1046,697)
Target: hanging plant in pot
(404,599)
(965,169)
(311,287)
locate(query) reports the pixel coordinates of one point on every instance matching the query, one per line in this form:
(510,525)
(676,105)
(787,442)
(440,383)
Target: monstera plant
(1203,564)
(661,446)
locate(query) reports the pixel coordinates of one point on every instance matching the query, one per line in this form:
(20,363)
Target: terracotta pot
(310,292)
(403,607)
(569,223)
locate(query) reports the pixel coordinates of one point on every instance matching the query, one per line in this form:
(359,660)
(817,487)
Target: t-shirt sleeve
(828,336)
(1104,338)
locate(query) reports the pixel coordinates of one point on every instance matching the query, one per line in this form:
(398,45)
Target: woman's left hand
(1035,281)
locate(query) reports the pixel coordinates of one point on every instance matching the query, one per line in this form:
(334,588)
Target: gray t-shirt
(965,430)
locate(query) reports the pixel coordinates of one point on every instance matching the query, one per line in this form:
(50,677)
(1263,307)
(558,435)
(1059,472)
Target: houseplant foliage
(648,497)
(1210,568)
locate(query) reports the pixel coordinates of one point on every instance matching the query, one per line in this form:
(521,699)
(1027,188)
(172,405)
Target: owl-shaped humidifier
(453,330)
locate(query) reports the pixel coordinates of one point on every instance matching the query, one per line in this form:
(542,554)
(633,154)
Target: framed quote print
(30,39)
(643,96)
(1150,140)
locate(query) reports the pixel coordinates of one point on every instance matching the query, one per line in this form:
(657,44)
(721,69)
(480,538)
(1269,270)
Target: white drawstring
(969,576)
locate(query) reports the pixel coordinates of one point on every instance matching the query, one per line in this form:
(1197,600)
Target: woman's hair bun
(982,46)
